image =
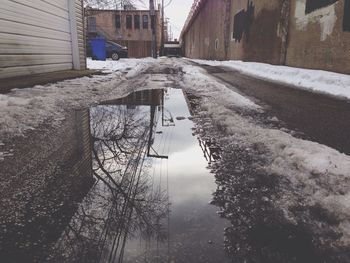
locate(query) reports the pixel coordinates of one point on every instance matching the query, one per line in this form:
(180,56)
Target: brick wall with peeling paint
(316,39)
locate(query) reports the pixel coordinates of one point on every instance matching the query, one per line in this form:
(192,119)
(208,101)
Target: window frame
(92,25)
(118,24)
(128,21)
(145,24)
(137,22)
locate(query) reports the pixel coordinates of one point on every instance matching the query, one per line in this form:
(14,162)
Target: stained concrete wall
(205,37)
(263,39)
(215,22)
(278,32)
(317,39)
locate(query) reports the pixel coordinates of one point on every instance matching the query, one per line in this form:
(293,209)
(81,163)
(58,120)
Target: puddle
(151,199)
(128,181)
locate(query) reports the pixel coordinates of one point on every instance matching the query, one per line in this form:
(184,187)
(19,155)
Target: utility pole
(153,26)
(162,35)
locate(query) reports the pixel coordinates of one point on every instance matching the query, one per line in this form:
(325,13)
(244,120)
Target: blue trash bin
(98,48)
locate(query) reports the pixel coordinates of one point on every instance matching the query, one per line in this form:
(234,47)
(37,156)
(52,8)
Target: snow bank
(319,81)
(132,66)
(318,174)
(26,109)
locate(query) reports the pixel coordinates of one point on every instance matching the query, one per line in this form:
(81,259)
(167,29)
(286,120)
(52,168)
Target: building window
(129,22)
(137,21)
(217,44)
(91,24)
(117,21)
(312,5)
(346,19)
(145,22)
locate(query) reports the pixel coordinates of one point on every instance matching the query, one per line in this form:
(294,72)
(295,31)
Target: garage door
(34,37)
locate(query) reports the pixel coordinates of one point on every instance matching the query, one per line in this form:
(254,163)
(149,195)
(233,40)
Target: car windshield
(115,45)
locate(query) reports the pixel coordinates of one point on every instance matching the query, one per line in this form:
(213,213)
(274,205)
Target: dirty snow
(132,67)
(211,87)
(26,109)
(317,173)
(319,81)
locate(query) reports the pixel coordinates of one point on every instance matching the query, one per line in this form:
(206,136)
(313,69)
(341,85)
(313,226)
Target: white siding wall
(35,37)
(81,32)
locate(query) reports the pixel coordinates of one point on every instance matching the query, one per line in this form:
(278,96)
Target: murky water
(150,202)
(129,181)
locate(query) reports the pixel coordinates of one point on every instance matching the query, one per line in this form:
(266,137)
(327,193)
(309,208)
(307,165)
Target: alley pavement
(317,117)
(171,161)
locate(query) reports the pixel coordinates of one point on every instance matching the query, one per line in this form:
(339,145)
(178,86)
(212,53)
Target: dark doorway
(312,5)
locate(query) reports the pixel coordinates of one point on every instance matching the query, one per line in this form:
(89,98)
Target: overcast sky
(177,11)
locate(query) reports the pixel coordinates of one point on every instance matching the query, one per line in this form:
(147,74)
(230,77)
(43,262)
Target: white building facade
(39,36)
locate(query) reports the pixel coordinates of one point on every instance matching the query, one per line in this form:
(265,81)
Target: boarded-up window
(312,5)
(129,22)
(117,21)
(145,22)
(346,21)
(137,21)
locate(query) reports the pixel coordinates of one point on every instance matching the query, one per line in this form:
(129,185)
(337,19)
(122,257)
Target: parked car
(113,50)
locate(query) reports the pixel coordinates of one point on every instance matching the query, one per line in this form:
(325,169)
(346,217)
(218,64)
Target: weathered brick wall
(105,21)
(317,39)
(138,40)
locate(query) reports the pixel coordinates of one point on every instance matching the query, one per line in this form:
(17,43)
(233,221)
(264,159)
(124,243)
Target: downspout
(74,34)
(284,30)
(227,27)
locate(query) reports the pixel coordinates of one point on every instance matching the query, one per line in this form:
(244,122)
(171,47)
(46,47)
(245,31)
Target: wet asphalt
(47,190)
(317,117)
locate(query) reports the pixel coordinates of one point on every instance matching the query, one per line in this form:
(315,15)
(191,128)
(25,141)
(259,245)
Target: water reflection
(150,202)
(123,200)
(40,190)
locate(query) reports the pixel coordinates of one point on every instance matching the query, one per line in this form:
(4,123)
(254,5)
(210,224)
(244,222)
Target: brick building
(302,33)
(130,28)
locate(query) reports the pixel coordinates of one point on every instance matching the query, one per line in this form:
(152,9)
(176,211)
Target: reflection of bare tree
(123,201)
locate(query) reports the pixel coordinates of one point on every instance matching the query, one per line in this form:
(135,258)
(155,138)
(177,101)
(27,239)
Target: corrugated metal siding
(81,32)
(34,37)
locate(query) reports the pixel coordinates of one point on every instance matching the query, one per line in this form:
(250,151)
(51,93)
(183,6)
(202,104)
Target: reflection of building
(51,184)
(155,99)
(123,199)
(130,28)
(141,98)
